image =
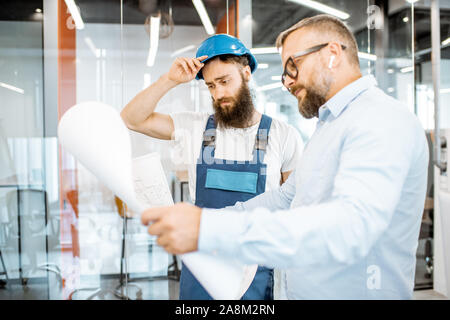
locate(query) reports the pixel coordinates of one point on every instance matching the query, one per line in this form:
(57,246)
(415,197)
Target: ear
(247,73)
(335,55)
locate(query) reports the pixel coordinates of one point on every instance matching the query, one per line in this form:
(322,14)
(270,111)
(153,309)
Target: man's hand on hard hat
(177,227)
(185,69)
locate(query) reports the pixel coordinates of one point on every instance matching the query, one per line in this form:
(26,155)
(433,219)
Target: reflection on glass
(61,230)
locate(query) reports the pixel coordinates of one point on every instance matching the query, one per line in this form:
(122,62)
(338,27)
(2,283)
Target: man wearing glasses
(345,225)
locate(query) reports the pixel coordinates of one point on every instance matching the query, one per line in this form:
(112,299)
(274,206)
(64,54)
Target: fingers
(156,229)
(167,244)
(183,64)
(201,58)
(154,214)
(190,66)
(198,64)
(163,241)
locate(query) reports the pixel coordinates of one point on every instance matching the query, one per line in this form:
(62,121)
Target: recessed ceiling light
(407,69)
(201,10)
(323,8)
(182,50)
(271,86)
(265,50)
(73,9)
(276,78)
(367,56)
(10,87)
(155,23)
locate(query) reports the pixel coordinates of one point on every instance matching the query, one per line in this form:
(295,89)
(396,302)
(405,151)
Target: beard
(315,96)
(239,113)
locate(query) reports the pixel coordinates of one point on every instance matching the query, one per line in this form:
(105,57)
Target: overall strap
(262,138)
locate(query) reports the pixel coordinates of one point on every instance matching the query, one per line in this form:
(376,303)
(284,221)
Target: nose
(288,82)
(219,93)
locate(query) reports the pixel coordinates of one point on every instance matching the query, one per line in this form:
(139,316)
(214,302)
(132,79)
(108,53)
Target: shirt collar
(341,99)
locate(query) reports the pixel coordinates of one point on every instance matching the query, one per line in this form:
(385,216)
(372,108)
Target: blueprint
(150,183)
(96,136)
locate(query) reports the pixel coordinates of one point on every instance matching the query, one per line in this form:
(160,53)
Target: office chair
(3,283)
(4,271)
(123,282)
(173,272)
(72,197)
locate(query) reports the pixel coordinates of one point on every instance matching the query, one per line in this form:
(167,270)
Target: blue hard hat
(221,44)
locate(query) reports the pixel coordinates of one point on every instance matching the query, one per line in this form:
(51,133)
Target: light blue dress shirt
(345,225)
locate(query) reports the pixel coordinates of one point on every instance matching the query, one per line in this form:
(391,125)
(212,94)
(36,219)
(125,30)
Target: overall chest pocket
(241,181)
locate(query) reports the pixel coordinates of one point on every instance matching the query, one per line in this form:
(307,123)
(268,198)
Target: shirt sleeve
(291,149)
(374,164)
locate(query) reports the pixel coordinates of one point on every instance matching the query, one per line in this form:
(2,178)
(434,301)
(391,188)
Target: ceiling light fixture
(10,87)
(154,40)
(271,86)
(322,8)
(446,42)
(90,44)
(265,50)
(276,78)
(367,56)
(201,10)
(147,80)
(182,50)
(407,69)
(73,9)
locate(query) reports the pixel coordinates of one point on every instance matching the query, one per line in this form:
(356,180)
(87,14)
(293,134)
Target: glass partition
(24,197)
(62,232)
(384,37)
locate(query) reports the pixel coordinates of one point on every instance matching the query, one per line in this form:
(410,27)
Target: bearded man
(234,153)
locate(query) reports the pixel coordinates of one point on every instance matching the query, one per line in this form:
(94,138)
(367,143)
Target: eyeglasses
(290,68)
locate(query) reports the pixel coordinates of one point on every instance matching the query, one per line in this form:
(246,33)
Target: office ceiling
(269,16)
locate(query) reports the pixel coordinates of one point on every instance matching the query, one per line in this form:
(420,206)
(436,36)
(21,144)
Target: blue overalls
(222,183)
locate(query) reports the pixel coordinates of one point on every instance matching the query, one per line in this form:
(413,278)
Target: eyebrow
(219,78)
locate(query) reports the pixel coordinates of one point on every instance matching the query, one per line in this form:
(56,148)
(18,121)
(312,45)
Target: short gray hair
(325,23)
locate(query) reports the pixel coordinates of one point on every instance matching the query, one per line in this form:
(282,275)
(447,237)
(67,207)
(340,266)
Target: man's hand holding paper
(177,227)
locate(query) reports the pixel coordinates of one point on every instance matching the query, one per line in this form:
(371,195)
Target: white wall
(21,67)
